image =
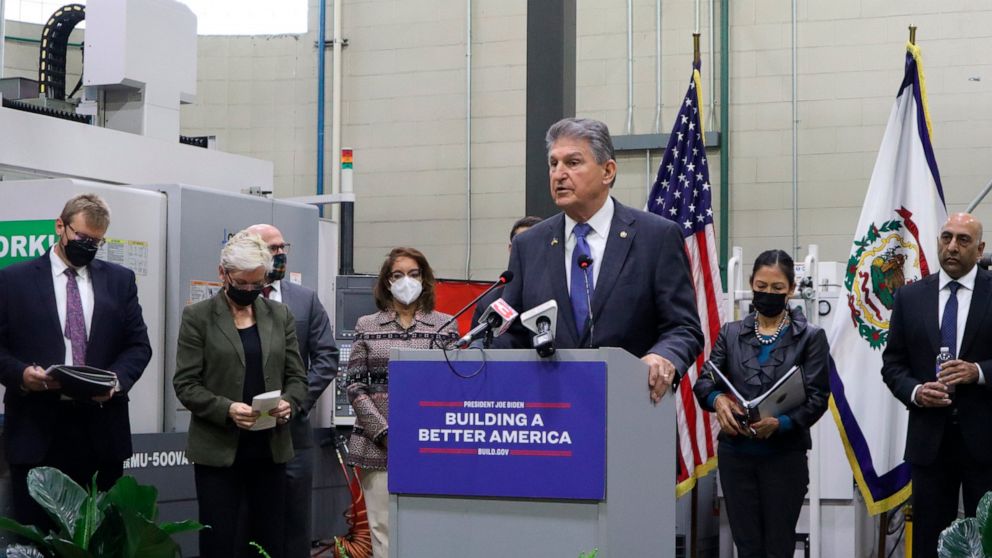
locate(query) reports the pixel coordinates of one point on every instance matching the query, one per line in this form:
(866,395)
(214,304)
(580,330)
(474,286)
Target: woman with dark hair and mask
(763,469)
(233,347)
(404,295)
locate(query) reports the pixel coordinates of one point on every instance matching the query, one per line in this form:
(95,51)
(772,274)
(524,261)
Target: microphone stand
(584,263)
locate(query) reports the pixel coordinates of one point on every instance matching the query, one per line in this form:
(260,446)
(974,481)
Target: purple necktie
(75,324)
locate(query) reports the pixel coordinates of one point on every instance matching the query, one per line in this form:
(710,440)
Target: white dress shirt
(276,293)
(967,288)
(85,284)
(600,223)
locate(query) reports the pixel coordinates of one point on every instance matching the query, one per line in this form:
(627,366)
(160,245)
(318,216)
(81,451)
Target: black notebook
(786,394)
(83,382)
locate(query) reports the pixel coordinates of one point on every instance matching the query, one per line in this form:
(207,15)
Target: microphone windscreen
(506,277)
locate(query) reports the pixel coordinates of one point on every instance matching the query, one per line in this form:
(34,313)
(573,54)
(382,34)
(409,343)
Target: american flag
(682,193)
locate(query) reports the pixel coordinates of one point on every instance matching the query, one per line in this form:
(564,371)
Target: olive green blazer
(210,370)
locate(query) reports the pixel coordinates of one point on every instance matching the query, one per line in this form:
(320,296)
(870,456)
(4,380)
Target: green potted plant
(970,537)
(119,523)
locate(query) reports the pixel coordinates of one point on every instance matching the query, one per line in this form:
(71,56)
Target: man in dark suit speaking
(948,442)
(631,265)
(320,358)
(68,308)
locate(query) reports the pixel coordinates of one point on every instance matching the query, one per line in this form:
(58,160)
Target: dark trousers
(936,487)
(242,503)
(764,495)
(72,451)
(299,486)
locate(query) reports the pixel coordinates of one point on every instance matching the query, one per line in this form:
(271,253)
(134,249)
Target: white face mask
(406,290)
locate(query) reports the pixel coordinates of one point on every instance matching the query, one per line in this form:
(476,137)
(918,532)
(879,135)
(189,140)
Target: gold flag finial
(695,48)
(912,34)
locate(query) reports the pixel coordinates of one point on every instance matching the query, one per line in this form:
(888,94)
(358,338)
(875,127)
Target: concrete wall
(405,107)
(850,66)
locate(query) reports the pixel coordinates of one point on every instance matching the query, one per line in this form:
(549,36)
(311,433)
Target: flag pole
(693,522)
(883,519)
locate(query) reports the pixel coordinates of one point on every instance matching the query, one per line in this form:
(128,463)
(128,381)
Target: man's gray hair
(245,251)
(593,131)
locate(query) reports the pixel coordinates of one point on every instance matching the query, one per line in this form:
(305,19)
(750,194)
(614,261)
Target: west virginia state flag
(895,244)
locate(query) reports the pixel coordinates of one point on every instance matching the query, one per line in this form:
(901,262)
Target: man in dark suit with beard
(948,443)
(630,264)
(68,308)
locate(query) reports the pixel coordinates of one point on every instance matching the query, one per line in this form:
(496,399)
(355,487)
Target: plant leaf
(261,551)
(90,518)
(68,549)
(144,539)
(961,540)
(128,495)
(29,532)
(984,511)
(59,495)
(109,538)
(173,527)
(23,551)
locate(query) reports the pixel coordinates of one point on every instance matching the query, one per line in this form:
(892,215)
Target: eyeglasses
(397,275)
(284,247)
(94,242)
(244,286)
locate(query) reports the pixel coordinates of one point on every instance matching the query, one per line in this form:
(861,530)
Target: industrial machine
(352,300)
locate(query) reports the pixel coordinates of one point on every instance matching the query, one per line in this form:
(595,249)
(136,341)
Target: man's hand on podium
(661,372)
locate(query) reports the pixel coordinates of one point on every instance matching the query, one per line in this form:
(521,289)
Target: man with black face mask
(320,358)
(68,308)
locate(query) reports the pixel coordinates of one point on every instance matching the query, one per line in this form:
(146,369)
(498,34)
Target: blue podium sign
(517,429)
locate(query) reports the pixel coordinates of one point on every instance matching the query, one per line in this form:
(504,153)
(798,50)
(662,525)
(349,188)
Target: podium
(503,453)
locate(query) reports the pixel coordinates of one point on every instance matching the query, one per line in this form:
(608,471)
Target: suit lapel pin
(623,234)
(554,241)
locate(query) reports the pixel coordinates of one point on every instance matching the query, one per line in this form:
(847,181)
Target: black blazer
(30,333)
(909,360)
(736,355)
(644,300)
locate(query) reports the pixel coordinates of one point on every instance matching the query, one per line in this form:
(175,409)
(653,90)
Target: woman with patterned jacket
(404,294)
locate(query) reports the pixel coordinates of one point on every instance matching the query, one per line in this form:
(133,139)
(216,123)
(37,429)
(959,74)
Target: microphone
(584,263)
(504,278)
(542,320)
(493,322)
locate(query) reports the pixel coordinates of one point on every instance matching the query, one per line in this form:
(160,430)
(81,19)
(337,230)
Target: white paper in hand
(263,403)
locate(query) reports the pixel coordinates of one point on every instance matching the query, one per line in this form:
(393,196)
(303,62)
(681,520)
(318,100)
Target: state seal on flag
(885,258)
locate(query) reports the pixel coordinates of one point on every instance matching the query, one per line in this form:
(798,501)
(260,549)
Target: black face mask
(242,297)
(80,253)
(769,305)
(278,268)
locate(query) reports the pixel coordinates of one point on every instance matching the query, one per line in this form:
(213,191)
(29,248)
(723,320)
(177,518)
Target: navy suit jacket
(643,302)
(317,349)
(30,333)
(910,357)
